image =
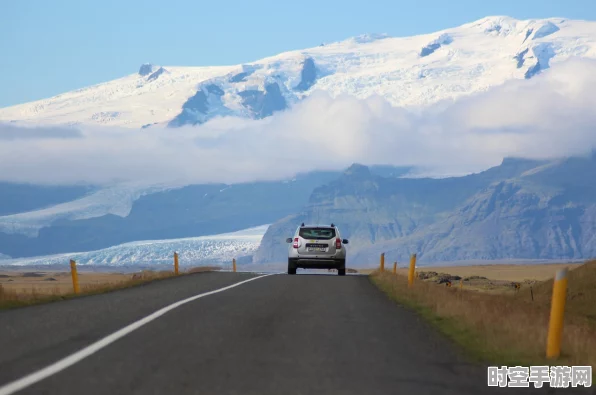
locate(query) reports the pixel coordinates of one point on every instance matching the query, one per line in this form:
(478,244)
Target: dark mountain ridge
(520,209)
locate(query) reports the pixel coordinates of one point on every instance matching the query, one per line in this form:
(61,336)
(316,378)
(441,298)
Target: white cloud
(550,115)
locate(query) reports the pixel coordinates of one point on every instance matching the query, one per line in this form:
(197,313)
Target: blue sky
(50,47)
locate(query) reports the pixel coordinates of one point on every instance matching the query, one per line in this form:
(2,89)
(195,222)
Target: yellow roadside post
(461,283)
(175,263)
(382,262)
(234,264)
(555,328)
(394,267)
(75,276)
(411,271)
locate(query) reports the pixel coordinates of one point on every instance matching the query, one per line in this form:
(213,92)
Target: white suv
(317,247)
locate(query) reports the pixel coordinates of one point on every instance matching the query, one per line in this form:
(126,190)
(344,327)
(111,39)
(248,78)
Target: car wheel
(291,266)
(341,268)
(341,272)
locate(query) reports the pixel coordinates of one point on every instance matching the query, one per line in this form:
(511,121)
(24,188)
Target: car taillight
(296,242)
(337,244)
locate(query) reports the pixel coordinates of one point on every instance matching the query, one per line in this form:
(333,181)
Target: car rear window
(317,233)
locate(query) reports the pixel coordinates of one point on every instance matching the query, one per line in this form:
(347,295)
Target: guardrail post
(555,328)
(411,271)
(75,277)
(234,264)
(175,263)
(382,268)
(394,267)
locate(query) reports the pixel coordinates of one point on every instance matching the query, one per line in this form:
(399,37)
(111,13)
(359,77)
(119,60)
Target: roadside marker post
(557,311)
(75,277)
(411,271)
(394,267)
(234,264)
(382,268)
(175,263)
(461,283)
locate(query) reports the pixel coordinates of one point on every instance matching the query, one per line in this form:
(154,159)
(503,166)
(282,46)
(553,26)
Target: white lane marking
(70,360)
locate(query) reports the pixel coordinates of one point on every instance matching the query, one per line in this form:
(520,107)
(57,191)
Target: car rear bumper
(319,263)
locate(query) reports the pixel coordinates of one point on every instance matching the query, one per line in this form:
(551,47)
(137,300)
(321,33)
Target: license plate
(314,249)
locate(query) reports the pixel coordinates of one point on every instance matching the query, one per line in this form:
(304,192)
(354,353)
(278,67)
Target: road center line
(91,349)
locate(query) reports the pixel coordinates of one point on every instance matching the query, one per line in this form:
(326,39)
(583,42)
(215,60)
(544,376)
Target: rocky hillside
(520,209)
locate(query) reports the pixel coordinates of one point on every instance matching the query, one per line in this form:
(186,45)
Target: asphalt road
(277,335)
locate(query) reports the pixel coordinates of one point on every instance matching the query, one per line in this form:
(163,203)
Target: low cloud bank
(551,115)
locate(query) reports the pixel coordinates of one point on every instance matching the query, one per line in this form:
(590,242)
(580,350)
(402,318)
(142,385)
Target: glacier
(217,249)
(117,200)
(406,71)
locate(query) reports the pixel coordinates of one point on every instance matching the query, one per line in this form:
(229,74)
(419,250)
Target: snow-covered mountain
(214,250)
(407,71)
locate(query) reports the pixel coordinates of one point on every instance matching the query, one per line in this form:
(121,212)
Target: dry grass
(51,283)
(507,328)
(504,272)
(495,271)
(203,269)
(23,289)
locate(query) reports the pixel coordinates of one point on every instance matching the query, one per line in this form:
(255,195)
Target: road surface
(275,335)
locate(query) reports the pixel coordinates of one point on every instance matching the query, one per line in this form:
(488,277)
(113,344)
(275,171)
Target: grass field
(504,325)
(501,272)
(29,287)
(55,282)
